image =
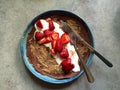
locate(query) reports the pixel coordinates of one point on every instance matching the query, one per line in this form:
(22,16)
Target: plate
(23,47)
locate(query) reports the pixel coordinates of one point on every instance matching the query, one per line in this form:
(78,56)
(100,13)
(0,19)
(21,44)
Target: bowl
(24,39)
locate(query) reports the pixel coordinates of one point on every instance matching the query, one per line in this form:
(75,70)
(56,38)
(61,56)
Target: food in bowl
(49,48)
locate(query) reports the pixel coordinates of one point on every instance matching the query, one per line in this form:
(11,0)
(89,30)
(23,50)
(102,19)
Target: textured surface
(103,16)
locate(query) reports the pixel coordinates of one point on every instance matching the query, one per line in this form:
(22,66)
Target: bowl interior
(63,15)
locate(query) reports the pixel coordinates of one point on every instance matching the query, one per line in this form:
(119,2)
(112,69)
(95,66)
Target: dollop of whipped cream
(71,49)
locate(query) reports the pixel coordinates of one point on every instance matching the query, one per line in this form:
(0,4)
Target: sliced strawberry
(53,42)
(39,35)
(45,40)
(67,66)
(55,35)
(65,38)
(64,53)
(47,33)
(52,51)
(42,41)
(49,39)
(39,24)
(59,45)
(51,25)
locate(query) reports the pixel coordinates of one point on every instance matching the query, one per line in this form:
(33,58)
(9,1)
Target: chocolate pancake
(39,55)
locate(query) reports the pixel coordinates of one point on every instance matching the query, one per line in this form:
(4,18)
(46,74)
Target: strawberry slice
(67,66)
(49,39)
(38,35)
(53,42)
(51,25)
(65,38)
(47,33)
(52,51)
(55,35)
(59,45)
(64,53)
(42,41)
(39,24)
(45,40)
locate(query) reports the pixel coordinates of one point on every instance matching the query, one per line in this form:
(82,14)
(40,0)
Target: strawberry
(67,66)
(55,35)
(53,42)
(51,25)
(64,53)
(39,24)
(39,35)
(47,33)
(59,45)
(52,51)
(65,38)
(45,40)
(42,41)
(49,39)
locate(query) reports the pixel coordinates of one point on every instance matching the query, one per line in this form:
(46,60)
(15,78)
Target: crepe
(40,57)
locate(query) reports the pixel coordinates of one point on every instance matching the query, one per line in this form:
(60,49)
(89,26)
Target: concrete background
(103,16)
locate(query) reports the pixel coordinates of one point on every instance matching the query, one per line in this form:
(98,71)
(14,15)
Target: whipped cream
(71,50)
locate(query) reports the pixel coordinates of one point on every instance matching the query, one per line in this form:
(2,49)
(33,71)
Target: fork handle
(96,52)
(89,75)
(87,71)
(103,59)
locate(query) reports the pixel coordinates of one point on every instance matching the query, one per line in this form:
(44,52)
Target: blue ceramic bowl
(23,47)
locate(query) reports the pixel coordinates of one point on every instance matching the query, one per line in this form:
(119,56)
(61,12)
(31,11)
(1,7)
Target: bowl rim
(31,68)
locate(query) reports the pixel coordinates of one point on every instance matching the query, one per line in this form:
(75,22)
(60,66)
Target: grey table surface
(103,16)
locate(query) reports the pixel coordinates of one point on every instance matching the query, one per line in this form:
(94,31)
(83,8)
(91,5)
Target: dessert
(49,48)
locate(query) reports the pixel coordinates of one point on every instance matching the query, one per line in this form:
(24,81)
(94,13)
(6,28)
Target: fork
(68,30)
(73,38)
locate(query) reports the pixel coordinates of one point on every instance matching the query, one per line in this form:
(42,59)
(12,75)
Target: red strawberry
(47,33)
(65,38)
(39,35)
(51,25)
(39,24)
(59,45)
(52,51)
(67,66)
(55,35)
(45,40)
(49,39)
(64,53)
(53,42)
(42,41)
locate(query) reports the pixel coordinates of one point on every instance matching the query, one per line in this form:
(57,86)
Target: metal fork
(68,30)
(73,37)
